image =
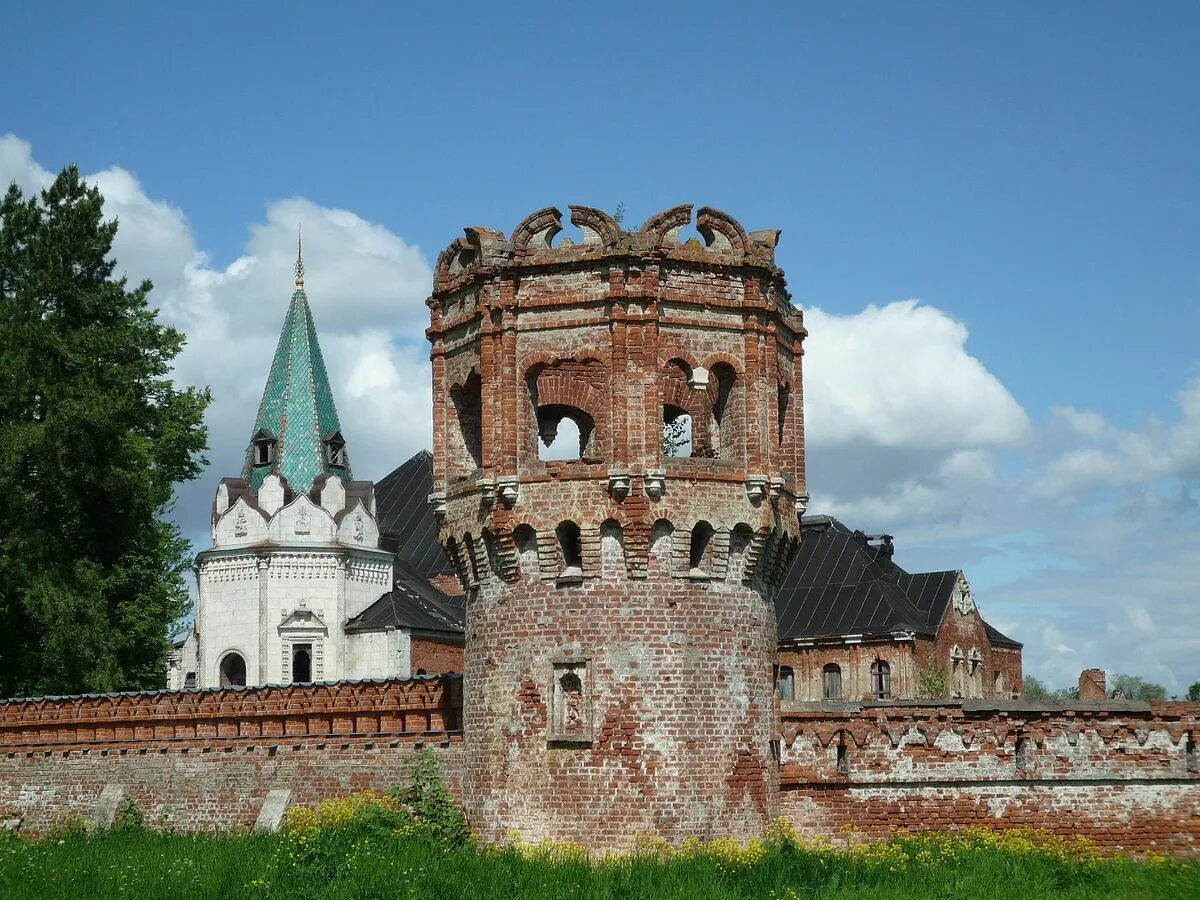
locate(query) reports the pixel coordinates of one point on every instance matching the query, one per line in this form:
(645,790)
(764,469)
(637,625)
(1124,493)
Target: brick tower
(621,631)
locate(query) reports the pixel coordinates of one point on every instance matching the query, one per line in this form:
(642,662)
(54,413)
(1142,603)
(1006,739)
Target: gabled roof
(842,583)
(412,603)
(297,406)
(407,525)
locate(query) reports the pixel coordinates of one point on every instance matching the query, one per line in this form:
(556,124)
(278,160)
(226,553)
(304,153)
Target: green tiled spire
(297,415)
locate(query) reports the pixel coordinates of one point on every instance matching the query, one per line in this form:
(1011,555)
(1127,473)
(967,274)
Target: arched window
(467,454)
(677,432)
(565,432)
(527,552)
(787,683)
(233,670)
(302,664)
(831,677)
(725,438)
(881,680)
(570,546)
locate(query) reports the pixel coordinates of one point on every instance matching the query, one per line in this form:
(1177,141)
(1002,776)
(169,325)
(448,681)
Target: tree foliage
(1134,687)
(93,436)
(1193,691)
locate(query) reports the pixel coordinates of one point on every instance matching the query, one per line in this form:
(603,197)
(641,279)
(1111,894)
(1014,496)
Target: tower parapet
(620,628)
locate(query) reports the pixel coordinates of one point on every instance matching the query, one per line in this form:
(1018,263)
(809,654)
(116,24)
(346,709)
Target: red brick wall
(675,671)
(198,760)
(1119,776)
(434,656)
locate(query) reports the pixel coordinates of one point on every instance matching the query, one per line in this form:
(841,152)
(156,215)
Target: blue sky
(1028,172)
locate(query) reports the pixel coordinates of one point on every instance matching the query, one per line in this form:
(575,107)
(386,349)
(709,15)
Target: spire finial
(299,259)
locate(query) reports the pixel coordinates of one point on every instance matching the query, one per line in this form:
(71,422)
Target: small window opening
(263,448)
(723,438)
(787,683)
(335,450)
(881,680)
(570,546)
(233,671)
(832,682)
(702,536)
(189,680)
(468,406)
(565,433)
(677,432)
(843,755)
(1190,755)
(302,664)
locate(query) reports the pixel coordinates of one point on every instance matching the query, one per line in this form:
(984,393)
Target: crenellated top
(634,376)
(533,242)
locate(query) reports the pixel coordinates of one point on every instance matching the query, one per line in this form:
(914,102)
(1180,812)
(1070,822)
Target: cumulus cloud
(366,286)
(901,420)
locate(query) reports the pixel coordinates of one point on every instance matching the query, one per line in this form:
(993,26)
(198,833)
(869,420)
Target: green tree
(1193,693)
(93,436)
(1136,688)
(1035,689)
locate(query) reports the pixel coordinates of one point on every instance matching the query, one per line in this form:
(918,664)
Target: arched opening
(233,670)
(676,432)
(843,754)
(881,680)
(725,431)
(302,664)
(467,398)
(570,548)
(831,682)
(998,684)
(565,432)
(189,681)
(787,683)
(700,556)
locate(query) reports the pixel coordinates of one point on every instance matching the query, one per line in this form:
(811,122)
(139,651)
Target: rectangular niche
(571,703)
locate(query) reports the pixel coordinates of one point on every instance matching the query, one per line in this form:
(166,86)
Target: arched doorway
(233,670)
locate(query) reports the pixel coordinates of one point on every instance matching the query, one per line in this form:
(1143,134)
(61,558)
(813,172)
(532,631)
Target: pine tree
(93,436)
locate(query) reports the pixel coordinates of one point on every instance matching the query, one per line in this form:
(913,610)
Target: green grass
(370,857)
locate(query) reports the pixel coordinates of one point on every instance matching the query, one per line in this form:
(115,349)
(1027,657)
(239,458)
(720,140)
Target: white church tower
(295,546)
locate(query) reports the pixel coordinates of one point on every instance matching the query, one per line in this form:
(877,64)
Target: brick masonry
(1122,774)
(620,621)
(206,759)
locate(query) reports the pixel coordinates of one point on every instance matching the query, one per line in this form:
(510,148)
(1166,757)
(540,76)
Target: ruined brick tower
(621,631)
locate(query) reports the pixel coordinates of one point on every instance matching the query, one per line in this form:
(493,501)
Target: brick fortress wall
(1122,774)
(206,759)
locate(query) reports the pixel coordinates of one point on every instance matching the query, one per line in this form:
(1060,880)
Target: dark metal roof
(844,583)
(412,603)
(407,526)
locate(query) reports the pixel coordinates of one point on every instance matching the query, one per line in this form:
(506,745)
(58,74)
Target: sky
(990,216)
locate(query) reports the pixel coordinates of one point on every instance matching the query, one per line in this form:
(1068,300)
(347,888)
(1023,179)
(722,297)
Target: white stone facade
(278,585)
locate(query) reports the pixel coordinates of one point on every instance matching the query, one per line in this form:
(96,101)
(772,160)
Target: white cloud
(900,376)
(366,287)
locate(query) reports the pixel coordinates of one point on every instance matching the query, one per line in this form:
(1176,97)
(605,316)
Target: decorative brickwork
(1119,774)
(644,580)
(206,759)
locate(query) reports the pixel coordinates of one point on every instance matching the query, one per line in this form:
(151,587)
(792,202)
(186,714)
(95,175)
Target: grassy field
(413,843)
(373,858)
